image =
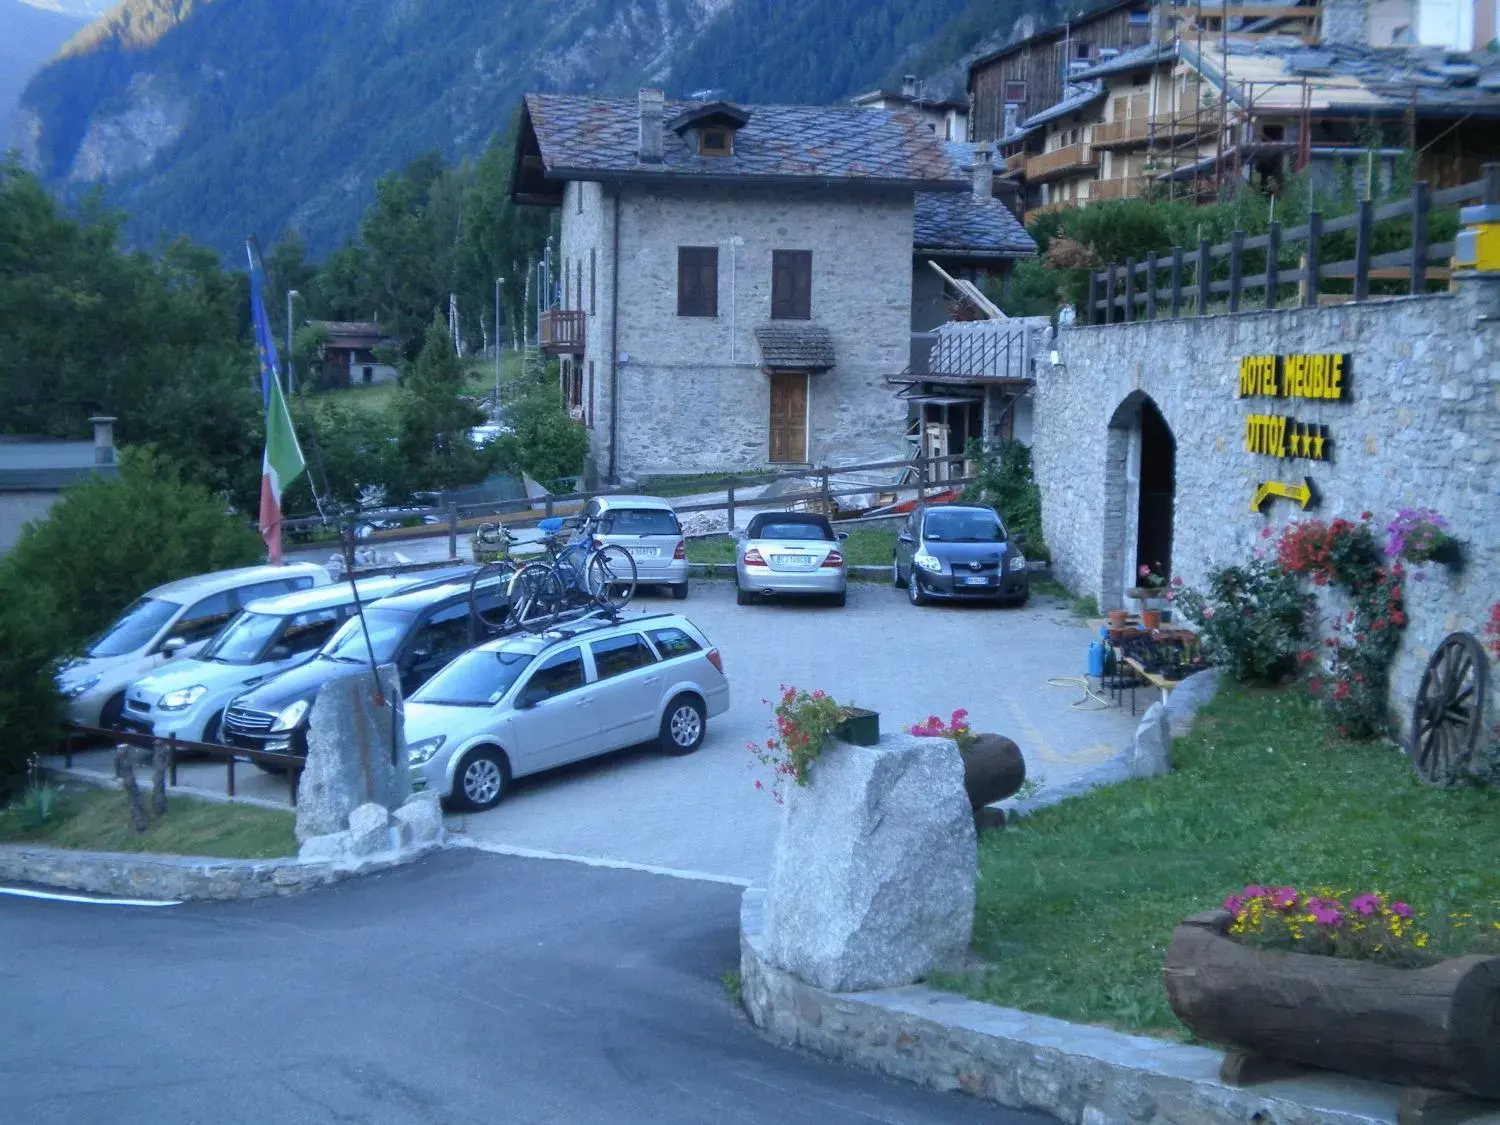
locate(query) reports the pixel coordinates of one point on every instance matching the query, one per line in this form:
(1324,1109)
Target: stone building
(1143,439)
(736,281)
(948,118)
(34,471)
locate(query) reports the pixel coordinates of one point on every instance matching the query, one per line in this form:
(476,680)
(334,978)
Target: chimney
(653,105)
(984,171)
(909,87)
(104,440)
(1012,119)
(1346,22)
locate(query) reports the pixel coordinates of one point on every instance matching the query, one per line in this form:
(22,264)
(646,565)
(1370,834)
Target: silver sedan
(791,553)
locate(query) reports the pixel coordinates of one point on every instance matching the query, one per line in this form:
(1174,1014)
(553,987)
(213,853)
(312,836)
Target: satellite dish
(1067,316)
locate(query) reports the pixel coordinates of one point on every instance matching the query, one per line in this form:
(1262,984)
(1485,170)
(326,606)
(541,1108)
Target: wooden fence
(1133,291)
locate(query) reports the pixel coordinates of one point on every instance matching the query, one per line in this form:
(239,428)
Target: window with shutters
(1015,93)
(791,285)
(697,281)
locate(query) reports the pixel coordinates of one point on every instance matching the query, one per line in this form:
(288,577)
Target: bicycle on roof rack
(580,573)
(492,543)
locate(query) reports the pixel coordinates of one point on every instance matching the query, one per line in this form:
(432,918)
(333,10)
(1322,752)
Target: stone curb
(169,878)
(1082,1074)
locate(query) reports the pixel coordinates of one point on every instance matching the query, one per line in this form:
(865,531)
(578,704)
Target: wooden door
(789,417)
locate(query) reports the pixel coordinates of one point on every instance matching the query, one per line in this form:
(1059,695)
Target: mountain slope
(29,36)
(216,118)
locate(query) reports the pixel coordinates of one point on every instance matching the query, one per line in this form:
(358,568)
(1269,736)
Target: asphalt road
(469,988)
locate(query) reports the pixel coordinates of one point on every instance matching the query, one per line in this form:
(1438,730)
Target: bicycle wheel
(536,597)
(611,577)
(493,577)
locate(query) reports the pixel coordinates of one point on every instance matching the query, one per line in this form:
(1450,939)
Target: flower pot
(862,728)
(1449,553)
(1117,618)
(1423,1027)
(1151,618)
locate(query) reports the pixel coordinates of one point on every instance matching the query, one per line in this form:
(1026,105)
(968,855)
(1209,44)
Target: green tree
(433,420)
(544,443)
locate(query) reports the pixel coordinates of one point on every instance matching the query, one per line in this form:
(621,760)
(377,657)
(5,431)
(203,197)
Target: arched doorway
(1142,475)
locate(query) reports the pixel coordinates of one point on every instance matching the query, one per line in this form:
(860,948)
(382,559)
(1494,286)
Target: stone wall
(1421,428)
(693,396)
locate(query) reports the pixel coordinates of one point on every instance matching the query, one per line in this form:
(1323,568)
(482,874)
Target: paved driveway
(467,989)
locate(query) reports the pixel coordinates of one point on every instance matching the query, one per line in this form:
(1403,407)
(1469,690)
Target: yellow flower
(1421,941)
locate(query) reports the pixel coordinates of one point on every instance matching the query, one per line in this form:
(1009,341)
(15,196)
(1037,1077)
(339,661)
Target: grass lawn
(866,546)
(99,820)
(1077,904)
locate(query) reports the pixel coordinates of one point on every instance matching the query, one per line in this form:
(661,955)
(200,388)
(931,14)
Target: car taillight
(834,560)
(680,551)
(715,659)
(752,558)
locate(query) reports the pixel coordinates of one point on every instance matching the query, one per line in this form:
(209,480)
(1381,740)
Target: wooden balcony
(1122,134)
(1185,123)
(1016,162)
(562,331)
(1066,161)
(1126,187)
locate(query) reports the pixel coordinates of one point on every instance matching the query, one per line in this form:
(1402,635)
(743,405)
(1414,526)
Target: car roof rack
(591,622)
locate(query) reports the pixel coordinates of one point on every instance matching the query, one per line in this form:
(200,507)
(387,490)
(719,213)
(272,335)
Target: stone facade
(692,393)
(1420,428)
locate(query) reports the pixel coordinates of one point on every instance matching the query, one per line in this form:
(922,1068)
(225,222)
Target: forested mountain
(214,118)
(29,36)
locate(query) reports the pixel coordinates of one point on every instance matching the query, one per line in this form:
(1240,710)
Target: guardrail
(176,746)
(1132,291)
(526,511)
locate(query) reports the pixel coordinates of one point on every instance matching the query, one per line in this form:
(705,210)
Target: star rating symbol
(1296,439)
(1317,444)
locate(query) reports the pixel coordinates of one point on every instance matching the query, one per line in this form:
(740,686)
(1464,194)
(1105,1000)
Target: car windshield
(141,621)
(475,679)
(794,530)
(639,521)
(964,527)
(388,628)
(244,638)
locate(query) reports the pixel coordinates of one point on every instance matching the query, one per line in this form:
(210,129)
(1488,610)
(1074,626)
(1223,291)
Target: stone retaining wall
(182,878)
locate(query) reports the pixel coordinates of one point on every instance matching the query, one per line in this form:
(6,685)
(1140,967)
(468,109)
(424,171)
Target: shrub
(1005,481)
(544,442)
(1252,619)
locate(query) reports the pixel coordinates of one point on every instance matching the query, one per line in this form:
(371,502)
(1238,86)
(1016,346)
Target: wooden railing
(1186,123)
(562,331)
(291,765)
(1133,291)
(1016,162)
(1135,130)
(1126,187)
(1059,162)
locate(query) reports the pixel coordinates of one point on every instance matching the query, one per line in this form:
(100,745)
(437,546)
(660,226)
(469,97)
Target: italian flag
(281,465)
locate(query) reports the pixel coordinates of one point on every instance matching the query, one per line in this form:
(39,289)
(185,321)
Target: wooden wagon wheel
(1448,717)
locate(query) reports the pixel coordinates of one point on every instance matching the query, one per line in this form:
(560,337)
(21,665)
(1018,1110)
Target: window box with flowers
(1421,535)
(1349,983)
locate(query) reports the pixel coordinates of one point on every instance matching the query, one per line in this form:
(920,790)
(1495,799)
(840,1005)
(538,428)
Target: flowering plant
(1371,926)
(805,723)
(1251,618)
(957,728)
(1492,630)
(1149,578)
(1417,535)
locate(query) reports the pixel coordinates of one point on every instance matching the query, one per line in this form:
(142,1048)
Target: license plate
(795,562)
(976,581)
(644,552)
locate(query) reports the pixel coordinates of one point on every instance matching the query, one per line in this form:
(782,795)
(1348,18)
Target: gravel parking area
(703,814)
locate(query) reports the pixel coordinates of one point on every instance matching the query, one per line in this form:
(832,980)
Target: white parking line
(595,861)
(52,896)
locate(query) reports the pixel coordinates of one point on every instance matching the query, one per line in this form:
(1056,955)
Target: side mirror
(904,537)
(172,646)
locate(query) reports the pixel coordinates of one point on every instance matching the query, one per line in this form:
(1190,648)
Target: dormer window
(715,142)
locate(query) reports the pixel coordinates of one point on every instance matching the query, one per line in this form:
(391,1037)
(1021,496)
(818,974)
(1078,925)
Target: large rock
(355,753)
(370,830)
(331,848)
(872,882)
(1151,749)
(1190,697)
(420,820)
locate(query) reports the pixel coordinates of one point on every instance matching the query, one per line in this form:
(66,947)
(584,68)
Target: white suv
(522,704)
(176,619)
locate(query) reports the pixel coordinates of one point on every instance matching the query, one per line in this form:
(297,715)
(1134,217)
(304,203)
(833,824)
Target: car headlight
(419,753)
(1018,562)
(291,716)
(182,698)
(928,562)
(78,687)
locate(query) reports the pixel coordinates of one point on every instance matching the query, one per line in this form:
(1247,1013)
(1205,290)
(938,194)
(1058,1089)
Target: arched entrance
(1142,484)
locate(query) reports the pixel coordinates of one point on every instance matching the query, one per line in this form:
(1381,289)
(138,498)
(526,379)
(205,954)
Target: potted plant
(1117,618)
(806,722)
(993,766)
(1148,589)
(1350,984)
(1421,535)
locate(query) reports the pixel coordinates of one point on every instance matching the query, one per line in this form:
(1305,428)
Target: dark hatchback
(962,553)
(419,632)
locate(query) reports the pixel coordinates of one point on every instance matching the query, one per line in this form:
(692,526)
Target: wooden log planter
(1437,1027)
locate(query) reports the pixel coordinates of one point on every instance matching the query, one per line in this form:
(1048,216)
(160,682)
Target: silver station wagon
(525,703)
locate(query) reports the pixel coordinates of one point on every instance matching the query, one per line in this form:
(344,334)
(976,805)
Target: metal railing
(1133,291)
(174,747)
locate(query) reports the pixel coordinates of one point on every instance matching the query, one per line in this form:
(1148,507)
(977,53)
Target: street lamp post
(499,281)
(291,379)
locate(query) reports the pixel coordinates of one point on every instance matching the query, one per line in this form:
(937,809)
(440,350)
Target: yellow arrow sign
(1301,493)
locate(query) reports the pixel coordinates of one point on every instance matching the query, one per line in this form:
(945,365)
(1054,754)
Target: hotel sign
(1308,378)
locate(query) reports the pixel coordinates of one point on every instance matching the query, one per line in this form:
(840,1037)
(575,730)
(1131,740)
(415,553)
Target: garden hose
(1089,701)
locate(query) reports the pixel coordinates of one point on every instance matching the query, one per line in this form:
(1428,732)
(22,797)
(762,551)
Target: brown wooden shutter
(791,284)
(593,272)
(697,281)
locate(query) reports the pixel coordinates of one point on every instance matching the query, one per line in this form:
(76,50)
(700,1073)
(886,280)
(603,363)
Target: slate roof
(597,138)
(799,345)
(1082,95)
(1152,54)
(961,223)
(45,465)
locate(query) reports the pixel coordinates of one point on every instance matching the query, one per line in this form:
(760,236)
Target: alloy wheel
(685,725)
(482,781)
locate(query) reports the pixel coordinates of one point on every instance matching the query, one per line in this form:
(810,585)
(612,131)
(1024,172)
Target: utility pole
(499,281)
(291,379)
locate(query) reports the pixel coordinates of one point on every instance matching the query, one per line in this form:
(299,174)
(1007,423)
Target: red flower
(1366,515)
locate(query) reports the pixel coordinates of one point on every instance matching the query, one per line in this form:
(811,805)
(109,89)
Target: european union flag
(265,342)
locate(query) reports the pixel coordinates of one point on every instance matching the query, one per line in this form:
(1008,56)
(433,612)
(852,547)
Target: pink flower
(1177,581)
(1324,913)
(758,785)
(1208,614)
(1365,904)
(1284,898)
(1401,910)
(1255,890)
(1234,904)
(1265,533)
(1144,571)
(958,717)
